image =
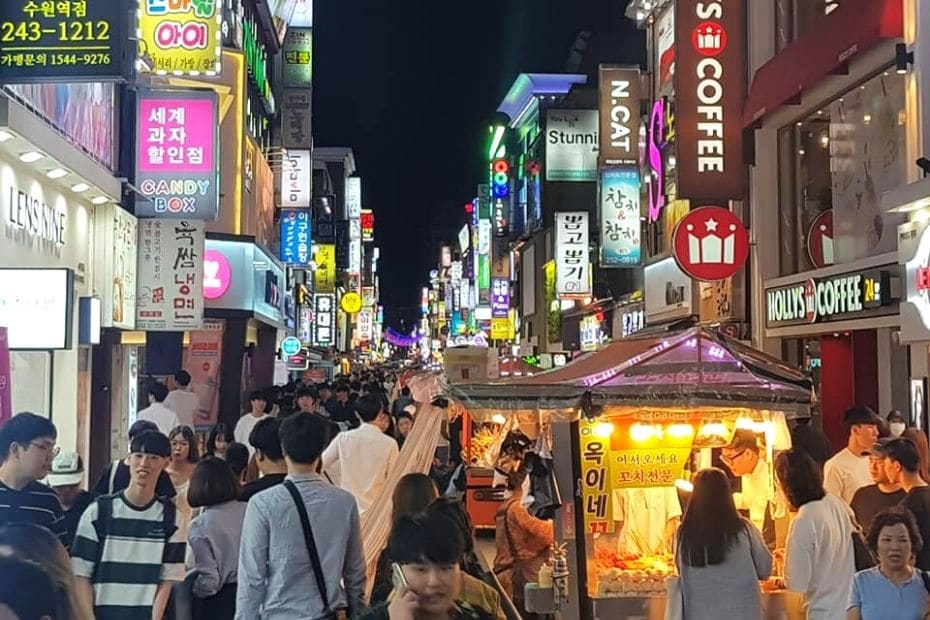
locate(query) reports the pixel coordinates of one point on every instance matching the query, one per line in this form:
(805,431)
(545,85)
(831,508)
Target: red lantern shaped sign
(820,240)
(710,244)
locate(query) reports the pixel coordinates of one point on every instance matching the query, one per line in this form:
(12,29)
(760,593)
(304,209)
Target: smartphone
(398,577)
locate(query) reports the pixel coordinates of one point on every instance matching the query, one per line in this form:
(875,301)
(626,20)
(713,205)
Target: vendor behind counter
(754,494)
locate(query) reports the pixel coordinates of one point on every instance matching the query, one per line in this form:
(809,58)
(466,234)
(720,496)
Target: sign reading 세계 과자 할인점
(62,40)
(835,298)
(176,154)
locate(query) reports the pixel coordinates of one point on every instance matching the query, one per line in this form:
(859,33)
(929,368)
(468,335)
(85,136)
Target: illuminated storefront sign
(572,256)
(217,274)
(324,310)
(324,276)
(829,299)
(620,115)
(256,59)
(710,83)
(61,41)
(367,219)
(297,179)
(589,333)
(365,325)
(571,145)
(659,132)
(180,37)
(176,154)
(295,238)
(500,298)
(297,70)
(170,275)
(35,217)
(620,219)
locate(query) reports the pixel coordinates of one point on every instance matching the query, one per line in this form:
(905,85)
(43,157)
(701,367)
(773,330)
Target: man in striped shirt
(129,549)
(27,447)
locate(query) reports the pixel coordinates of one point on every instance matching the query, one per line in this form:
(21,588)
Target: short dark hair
(216,431)
(193,454)
(140,426)
(890,517)
(183,378)
(905,452)
(368,407)
(304,436)
(213,482)
(266,438)
(158,391)
(151,442)
(859,414)
(744,440)
(342,387)
(306,392)
(428,538)
(23,429)
(800,476)
(237,457)
(28,589)
(258,395)
(455,511)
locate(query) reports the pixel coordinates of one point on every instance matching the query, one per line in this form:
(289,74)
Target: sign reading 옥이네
(61,41)
(597,503)
(176,154)
(180,37)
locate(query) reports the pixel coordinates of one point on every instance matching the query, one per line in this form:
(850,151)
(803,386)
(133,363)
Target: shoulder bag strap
(311,544)
(113,469)
(925,578)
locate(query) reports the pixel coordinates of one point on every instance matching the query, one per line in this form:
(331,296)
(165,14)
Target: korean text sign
(170,275)
(295,238)
(324,278)
(620,218)
(61,40)
(572,256)
(177,157)
(181,37)
(324,313)
(596,492)
(297,70)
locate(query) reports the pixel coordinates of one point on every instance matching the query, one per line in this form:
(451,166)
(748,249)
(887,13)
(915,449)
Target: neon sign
(656,185)
(217,274)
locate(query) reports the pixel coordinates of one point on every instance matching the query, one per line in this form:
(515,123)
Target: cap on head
(67,470)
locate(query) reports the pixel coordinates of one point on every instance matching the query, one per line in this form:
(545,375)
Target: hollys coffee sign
(710,85)
(846,296)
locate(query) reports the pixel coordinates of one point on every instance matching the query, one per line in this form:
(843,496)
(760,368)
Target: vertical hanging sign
(620,218)
(572,255)
(620,115)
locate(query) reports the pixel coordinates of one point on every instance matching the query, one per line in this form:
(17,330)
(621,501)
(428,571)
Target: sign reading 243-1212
(61,40)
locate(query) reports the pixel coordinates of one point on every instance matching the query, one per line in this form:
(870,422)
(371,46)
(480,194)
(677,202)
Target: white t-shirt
(244,428)
(360,461)
(183,403)
(819,561)
(846,473)
(645,513)
(165,419)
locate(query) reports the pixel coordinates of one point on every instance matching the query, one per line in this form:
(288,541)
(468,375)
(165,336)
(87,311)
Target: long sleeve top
(214,538)
(276,579)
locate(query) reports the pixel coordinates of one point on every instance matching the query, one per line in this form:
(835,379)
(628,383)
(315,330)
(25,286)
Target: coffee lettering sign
(710,85)
(619,115)
(828,299)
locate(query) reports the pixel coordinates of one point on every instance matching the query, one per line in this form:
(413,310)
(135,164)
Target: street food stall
(629,425)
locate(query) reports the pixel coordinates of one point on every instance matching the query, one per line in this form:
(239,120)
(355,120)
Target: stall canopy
(697,367)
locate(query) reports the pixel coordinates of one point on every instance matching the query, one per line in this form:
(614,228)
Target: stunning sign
(170,275)
(61,41)
(571,145)
(297,179)
(351,303)
(830,299)
(324,276)
(620,115)
(36,307)
(217,274)
(500,298)
(180,37)
(710,244)
(295,238)
(710,84)
(297,70)
(367,219)
(620,217)
(572,255)
(177,162)
(820,240)
(324,311)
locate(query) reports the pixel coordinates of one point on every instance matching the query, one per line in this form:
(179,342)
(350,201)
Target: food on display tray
(631,575)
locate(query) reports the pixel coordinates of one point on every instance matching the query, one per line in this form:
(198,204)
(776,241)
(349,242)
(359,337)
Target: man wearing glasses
(27,448)
(756,496)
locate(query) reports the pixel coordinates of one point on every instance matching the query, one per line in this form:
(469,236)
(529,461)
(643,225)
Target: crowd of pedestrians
(266,524)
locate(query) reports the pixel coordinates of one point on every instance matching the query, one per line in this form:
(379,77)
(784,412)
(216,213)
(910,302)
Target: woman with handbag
(893,590)
(720,556)
(819,553)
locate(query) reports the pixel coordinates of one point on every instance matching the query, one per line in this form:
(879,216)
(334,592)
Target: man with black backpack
(129,549)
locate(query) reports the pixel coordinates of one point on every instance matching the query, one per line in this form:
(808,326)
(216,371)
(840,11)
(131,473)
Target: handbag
(328,613)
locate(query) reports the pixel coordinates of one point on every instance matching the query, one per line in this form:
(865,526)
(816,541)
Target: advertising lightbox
(36,307)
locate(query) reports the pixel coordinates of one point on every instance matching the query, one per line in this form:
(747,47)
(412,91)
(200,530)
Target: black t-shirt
(265,482)
(34,503)
(73,514)
(918,502)
(869,501)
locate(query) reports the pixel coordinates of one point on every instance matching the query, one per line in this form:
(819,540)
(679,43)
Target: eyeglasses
(732,458)
(53,450)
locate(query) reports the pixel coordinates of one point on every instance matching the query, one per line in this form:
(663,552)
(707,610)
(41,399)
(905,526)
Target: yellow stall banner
(596,500)
(648,453)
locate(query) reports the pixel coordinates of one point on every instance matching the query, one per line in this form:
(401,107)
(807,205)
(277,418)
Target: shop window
(843,156)
(794,18)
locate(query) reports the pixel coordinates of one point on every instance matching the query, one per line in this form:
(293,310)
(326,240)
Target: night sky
(412,87)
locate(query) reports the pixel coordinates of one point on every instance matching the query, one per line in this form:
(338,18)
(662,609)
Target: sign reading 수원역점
(180,37)
(710,83)
(571,145)
(572,255)
(619,115)
(177,163)
(61,40)
(710,244)
(170,275)
(620,217)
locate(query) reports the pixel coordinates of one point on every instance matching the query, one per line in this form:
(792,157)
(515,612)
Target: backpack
(105,517)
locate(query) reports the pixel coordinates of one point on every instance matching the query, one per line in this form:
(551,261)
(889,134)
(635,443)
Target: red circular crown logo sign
(709,39)
(820,240)
(710,244)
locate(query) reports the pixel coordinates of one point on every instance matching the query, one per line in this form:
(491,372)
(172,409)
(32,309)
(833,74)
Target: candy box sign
(176,154)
